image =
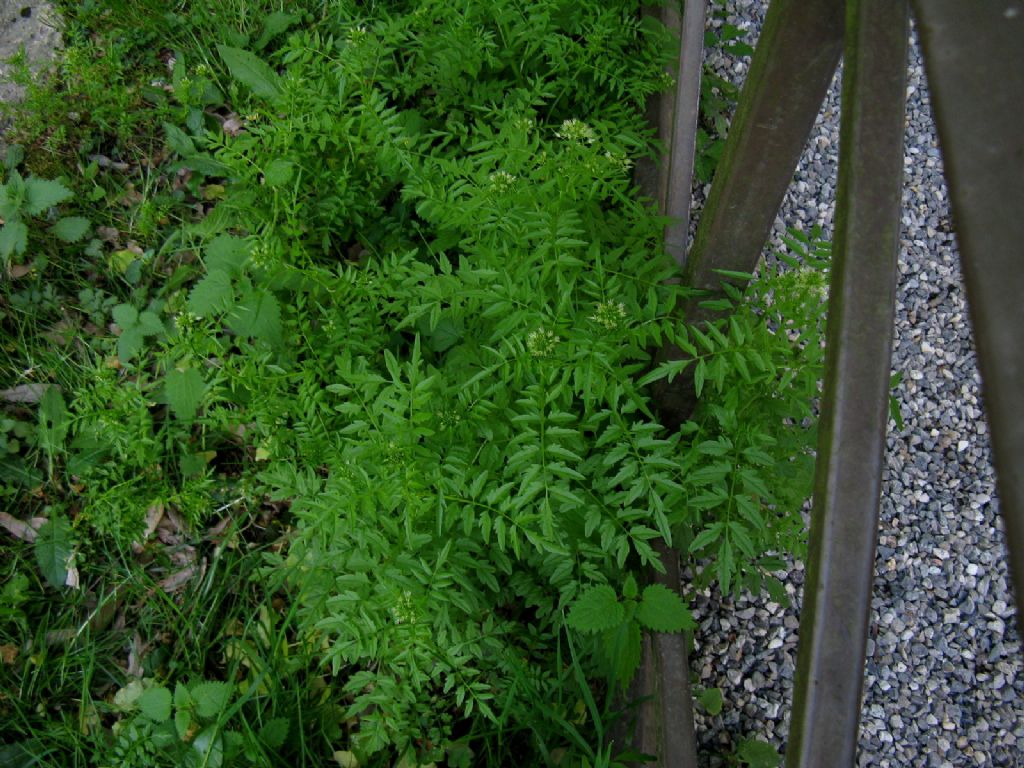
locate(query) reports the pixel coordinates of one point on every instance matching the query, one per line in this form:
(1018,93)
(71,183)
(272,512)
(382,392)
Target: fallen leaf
(233,125)
(20,529)
(8,653)
(178,579)
(346,759)
(18,271)
(107,234)
(153,517)
(24,393)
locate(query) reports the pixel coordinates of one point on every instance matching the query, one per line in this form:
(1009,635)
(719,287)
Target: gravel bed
(943,682)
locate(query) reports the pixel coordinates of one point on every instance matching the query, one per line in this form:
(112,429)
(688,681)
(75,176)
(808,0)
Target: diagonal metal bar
(684,129)
(975,65)
(793,64)
(792,67)
(844,524)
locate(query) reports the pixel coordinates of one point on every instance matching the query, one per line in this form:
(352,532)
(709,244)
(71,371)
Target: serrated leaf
(130,343)
(663,610)
(596,610)
(155,703)
(278,173)
(13,238)
(629,589)
(707,536)
(211,294)
(54,547)
(210,698)
(758,754)
(623,647)
(210,747)
(446,335)
(149,324)
(178,141)
(226,253)
(257,315)
(274,732)
(711,700)
(125,315)
(184,392)
(251,71)
(71,229)
(182,698)
(42,194)
(182,722)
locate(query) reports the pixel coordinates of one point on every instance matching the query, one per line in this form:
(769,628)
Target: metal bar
(974,59)
(684,129)
(792,67)
(664,719)
(844,523)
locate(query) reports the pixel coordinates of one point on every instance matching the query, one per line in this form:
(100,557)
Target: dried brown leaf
(20,529)
(8,653)
(24,393)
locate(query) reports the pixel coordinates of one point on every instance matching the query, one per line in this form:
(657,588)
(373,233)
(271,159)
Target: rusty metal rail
(975,63)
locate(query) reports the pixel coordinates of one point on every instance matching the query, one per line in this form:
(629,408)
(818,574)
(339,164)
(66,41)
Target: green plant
(396,312)
(24,198)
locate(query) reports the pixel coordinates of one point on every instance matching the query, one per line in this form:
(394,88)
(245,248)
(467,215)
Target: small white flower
(502,181)
(541,342)
(620,161)
(609,315)
(576,131)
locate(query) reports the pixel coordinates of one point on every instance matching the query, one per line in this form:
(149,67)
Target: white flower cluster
(609,315)
(501,181)
(541,342)
(576,131)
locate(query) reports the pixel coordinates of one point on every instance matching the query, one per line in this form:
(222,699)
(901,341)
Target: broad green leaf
(130,343)
(54,547)
(273,25)
(182,722)
(711,700)
(71,229)
(663,610)
(274,732)
(210,698)
(42,194)
(125,315)
(596,610)
(629,589)
(210,747)
(13,238)
(278,173)
(257,315)
(251,71)
(178,141)
(447,334)
(184,391)
(758,754)
(182,698)
(707,536)
(623,647)
(211,294)
(149,324)
(226,253)
(155,703)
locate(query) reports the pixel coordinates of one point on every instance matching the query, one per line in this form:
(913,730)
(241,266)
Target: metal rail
(975,64)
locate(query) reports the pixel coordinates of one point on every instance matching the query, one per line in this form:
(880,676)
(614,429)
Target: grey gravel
(943,682)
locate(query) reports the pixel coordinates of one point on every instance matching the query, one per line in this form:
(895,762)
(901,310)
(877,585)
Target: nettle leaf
(258,315)
(71,229)
(758,754)
(125,315)
(274,732)
(42,194)
(623,647)
(13,238)
(211,294)
(211,698)
(252,71)
(278,173)
(711,700)
(130,343)
(184,391)
(596,610)
(149,324)
(226,253)
(663,610)
(54,547)
(155,703)
(178,141)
